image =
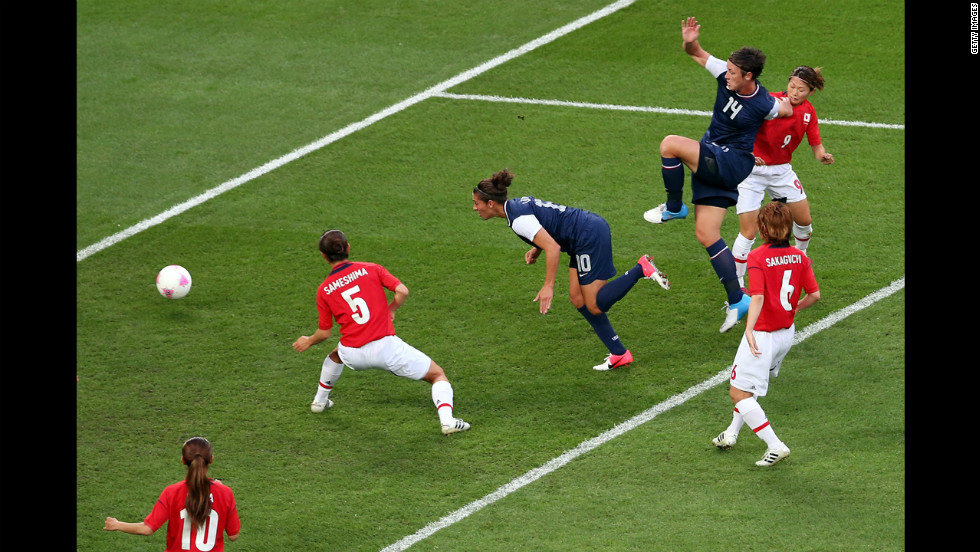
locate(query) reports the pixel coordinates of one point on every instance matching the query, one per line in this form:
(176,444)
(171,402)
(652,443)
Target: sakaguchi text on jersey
(784,260)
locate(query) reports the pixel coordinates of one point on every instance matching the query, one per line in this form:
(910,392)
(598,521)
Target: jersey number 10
(207,535)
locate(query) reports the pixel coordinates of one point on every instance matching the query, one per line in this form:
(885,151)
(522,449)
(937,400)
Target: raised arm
(690,31)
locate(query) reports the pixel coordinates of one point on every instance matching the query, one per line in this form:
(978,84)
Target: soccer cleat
(320,407)
(734,313)
(651,272)
(773,455)
(660,214)
(725,440)
(457,426)
(615,361)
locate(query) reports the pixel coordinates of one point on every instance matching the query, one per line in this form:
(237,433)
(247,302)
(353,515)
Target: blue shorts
(593,257)
(720,170)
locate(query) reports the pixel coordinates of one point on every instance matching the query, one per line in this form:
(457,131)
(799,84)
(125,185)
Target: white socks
(328,376)
(737,422)
(740,250)
(756,418)
(442,396)
(802,235)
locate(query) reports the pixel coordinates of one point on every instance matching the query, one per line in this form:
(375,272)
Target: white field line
(632,423)
(349,129)
(563,103)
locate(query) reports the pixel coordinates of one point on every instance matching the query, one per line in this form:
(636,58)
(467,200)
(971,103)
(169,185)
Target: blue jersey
(736,118)
(526,215)
(582,234)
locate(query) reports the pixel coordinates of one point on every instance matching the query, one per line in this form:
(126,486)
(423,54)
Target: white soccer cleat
(320,407)
(660,214)
(773,455)
(731,318)
(455,427)
(735,313)
(725,440)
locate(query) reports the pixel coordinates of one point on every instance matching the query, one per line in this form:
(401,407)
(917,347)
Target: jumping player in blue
(585,236)
(721,159)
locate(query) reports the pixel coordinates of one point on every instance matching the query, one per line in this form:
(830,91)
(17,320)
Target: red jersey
(181,536)
(354,295)
(779,274)
(778,138)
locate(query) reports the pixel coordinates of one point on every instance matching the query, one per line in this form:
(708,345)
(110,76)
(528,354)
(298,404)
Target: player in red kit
(198,511)
(775,143)
(355,295)
(778,273)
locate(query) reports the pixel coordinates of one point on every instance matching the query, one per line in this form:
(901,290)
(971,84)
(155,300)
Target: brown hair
(775,223)
(197,455)
(809,75)
(495,187)
(333,244)
(749,60)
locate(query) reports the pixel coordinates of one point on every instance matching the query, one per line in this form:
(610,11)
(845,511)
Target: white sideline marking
(632,423)
(563,103)
(349,129)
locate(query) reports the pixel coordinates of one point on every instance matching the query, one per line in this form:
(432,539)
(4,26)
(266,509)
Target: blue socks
(673,172)
(614,290)
(603,329)
(723,262)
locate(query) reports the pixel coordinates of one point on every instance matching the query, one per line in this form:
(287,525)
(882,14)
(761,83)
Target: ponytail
(198,456)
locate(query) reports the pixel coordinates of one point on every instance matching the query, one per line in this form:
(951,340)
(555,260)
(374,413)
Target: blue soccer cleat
(734,313)
(660,214)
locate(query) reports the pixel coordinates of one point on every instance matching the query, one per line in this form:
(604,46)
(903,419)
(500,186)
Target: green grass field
(176,99)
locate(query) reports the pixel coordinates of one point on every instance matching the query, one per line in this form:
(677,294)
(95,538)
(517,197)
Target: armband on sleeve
(775,109)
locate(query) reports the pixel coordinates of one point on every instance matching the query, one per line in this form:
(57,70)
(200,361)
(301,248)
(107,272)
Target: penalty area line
(641,108)
(632,423)
(350,129)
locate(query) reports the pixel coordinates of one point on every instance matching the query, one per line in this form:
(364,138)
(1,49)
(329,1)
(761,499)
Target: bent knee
(669,146)
(435,373)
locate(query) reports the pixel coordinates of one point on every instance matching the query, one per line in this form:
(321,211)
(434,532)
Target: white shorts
(750,373)
(389,353)
(779,180)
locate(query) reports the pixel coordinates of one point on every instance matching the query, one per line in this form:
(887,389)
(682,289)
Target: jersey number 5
(358,307)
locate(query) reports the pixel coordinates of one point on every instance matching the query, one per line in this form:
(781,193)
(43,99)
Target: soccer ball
(174,282)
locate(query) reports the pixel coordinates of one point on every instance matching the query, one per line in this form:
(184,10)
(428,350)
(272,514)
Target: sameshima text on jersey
(784,260)
(344,280)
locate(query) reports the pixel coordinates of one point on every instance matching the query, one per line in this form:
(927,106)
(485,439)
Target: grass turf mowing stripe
(634,422)
(349,129)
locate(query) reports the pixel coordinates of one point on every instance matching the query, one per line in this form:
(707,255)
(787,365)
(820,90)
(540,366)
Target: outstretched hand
(690,29)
